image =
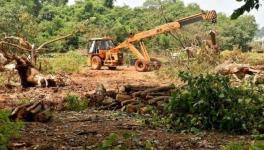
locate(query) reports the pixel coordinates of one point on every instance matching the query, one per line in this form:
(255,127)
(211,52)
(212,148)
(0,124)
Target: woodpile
(242,71)
(132,99)
(32,112)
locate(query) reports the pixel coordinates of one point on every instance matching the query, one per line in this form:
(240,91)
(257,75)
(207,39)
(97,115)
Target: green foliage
(124,141)
(247,7)
(8,129)
(40,21)
(237,32)
(75,103)
(210,102)
(109,3)
(65,62)
(238,56)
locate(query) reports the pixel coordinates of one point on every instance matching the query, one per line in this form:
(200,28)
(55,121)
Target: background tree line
(40,20)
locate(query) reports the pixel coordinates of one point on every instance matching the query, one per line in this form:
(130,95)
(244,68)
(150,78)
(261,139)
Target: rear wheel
(96,63)
(141,65)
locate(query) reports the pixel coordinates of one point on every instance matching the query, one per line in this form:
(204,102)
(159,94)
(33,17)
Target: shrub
(210,102)
(75,103)
(8,129)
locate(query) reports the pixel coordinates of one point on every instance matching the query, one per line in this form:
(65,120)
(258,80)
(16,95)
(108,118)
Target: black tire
(96,63)
(141,65)
(112,68)
(156,63)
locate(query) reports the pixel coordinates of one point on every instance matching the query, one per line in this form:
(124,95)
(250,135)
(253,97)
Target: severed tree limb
(16,46)
(52,41)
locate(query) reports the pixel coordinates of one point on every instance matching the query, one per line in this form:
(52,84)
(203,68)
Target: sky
(225,6)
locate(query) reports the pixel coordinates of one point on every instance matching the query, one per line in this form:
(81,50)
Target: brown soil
(74,130)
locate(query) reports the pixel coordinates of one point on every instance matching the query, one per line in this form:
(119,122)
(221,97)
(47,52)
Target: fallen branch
(52,41)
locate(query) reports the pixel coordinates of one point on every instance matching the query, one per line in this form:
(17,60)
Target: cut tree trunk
(143,94)
(157,99)
(123,97)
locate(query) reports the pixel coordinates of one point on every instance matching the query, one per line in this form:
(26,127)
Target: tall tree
(109,3)
(56,2)
(247,7)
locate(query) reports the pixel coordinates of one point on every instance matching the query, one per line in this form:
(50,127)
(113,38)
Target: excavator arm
(210,16)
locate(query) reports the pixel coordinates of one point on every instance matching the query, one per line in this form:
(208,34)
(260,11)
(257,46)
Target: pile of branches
(242,71)
(131,98)
(32,112)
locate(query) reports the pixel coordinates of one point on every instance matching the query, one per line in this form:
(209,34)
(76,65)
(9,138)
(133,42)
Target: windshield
(105,45)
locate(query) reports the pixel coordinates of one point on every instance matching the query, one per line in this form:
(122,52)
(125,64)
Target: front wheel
(96,63)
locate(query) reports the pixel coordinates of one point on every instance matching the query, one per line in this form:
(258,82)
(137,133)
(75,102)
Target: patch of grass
(255,145)
(69,62)
(124,141)
(75,103)
(8,129)
(244,58)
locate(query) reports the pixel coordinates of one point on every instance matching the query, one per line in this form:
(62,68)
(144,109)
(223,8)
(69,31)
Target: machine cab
(96,45)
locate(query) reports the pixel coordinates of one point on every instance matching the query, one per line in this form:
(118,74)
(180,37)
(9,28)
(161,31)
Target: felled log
(127,102)
(33,112)
(157,99)
(123,97)
(144,93)
(131,108)
(160,94)
(111,106)
(135,88)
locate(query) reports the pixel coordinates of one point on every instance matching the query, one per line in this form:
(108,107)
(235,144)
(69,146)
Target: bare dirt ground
(87,129)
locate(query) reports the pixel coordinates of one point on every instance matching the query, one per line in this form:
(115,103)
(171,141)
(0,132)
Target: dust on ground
(74,130)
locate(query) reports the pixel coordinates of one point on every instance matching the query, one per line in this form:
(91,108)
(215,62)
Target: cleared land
(74,130)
